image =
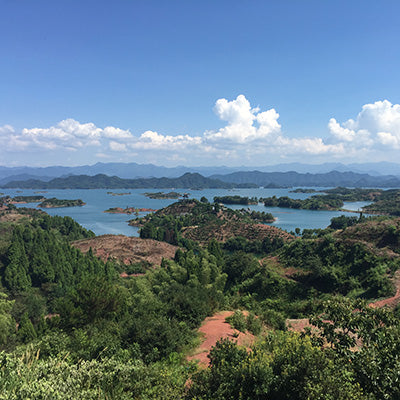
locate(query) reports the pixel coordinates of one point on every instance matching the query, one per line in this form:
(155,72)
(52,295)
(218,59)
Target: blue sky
(144,81)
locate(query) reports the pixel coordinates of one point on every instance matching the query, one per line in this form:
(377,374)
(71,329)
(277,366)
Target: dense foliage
(324,365)
(340,266)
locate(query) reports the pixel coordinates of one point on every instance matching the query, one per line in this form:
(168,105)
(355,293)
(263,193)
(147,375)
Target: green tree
(6,320)
(26,331)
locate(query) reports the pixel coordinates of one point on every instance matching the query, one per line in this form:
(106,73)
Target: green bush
(237,321)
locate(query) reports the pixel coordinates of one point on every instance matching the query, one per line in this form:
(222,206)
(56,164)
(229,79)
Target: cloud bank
(249,135)
(377,123)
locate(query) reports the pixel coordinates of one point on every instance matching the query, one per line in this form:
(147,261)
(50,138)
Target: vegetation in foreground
(72,328)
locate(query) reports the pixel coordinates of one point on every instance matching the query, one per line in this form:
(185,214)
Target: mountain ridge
(134,170)
(188,180)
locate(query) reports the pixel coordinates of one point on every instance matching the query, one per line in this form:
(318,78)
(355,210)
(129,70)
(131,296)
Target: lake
(92,215)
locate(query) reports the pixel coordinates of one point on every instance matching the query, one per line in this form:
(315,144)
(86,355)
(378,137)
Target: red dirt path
(298,325)
(391,301)
(213,329)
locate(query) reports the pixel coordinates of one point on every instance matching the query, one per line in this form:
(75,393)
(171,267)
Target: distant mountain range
(101,181)
(290,179)
(134,170)
(196,181)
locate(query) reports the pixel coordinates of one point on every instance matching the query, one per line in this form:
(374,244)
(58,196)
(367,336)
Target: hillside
(127,250)
(378,234)
(201,222)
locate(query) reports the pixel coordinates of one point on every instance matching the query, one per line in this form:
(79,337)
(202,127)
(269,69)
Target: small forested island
(58,203)
(318,202)
(25,199)
(128,210)
(235,200)
(7,200)
(119,194)
(302,190)
(163,195)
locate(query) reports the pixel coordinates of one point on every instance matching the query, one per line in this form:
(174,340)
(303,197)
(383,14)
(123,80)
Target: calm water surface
(92,215)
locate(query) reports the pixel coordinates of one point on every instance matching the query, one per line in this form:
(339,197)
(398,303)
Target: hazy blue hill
(24,177)
(134,170)
(101,181)
(333,178)
(195,180)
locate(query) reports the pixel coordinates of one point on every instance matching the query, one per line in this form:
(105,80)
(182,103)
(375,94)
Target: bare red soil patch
(391,301)
(231,229)
(215,328)
(127,250)
(298,325)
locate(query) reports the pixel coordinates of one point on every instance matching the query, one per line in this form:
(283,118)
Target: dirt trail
(391,301)
(298,325)
(213,329)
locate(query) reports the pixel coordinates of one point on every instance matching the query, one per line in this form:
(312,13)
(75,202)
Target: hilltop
(201,222)
(381,234)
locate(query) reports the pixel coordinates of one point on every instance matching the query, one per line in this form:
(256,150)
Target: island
(383,202)
(128,210)
(235,200)
(26,199)
(195,221)
(162,195)
(303,190)
(318,202)
(119,194)
(58,203)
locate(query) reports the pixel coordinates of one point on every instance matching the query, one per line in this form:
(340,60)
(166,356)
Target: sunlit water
(92,215)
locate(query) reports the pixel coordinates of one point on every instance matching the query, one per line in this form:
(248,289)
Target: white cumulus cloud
(244,123)
(116,146)
(376,123)
(153,140)
(250,135)
(116,133)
